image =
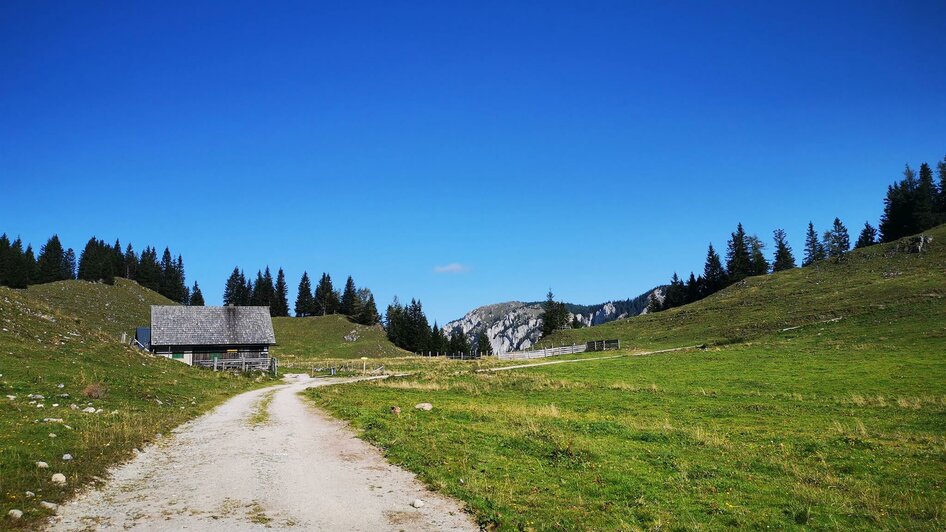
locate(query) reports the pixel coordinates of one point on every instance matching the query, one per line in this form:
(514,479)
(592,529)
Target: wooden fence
(596,345)
(269,364)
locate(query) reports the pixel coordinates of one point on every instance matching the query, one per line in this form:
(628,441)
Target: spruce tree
(868,236)
(941,203)
(196,296)
(349,305)
(232,289)
(118,260)
(694,289)
(814,250)
(837,242)
(714,276)
(438,340)
(281,302)
(5,259)
(131,263)
(369,311)
(483,346)
(554,315)
(757,263)
(69,264)
(394,322)
(18,271)
(304,301)
(459,344)
(418,329)
(52,262)
(676,293)
(900,217)
(149,271)
(326,299)
(784,259)
(738,260)
(926,199)
(258,296)
(246,290)
(29,261)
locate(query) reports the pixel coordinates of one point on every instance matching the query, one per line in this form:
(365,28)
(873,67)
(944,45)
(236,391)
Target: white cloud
(453,267)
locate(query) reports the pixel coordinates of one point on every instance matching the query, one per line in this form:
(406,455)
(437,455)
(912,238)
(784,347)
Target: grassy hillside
(70,356)
(303,340)
(111,308)
(882,280)
(830,425)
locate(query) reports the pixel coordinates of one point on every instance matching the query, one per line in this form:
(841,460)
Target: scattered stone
(30,494)
(52,434)
(156,400)
(396,410)
(427,407)
(417,503)
(40,405)
(52,420)
(42,465)
(60,386)
(67,457)
(11,397)
(60,479)
(89,410)
(49,505)
(35,396)
(15,514)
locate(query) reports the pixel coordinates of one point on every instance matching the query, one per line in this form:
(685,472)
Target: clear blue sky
(594,147)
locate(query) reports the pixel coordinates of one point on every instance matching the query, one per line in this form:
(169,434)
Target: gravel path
(299,469)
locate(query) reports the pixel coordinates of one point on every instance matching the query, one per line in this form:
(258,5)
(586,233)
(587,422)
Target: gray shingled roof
(180,325)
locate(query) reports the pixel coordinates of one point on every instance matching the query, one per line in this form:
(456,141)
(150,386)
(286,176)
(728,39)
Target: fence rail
(239,364)
(596,345)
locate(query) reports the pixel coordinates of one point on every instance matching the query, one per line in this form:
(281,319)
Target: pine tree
(246,290)
(941,203)
(714,276)
(131,263)
(694,289)
(418,329)
(258,296)
(326,299)
(5,259)
(52,262)
(900,217)
(836,241)
(169,281)
(459,344)
(349,305)
(483,346)
(926,199)
(676,293)
(868,236)
(738,261)
(305,304)
(784,259)
(232,289)
(281,301)
(118,259)
(369,311)
(757,263)
(29,262)
(196,297)
(653,303)
(814,250)
(149,271)
(69,263)
(394,322)
(18,274)
(554,315)
(439,344)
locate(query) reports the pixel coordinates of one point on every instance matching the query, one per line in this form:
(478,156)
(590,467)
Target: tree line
(912,205)
(356,303)
(407,327)
(98,262)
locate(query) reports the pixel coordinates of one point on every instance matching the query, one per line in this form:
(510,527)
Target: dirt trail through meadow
(299,469)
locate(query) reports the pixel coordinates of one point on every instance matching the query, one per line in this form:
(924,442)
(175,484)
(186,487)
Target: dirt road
(298,469)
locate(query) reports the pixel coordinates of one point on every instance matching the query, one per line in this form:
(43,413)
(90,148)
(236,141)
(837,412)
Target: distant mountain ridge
(517,325)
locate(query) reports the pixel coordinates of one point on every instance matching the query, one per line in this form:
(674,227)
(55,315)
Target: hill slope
(299,340)
(113,309)
(830,425)
(883,280)
(70,356)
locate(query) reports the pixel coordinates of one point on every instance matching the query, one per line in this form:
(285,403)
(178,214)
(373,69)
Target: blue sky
(460,153)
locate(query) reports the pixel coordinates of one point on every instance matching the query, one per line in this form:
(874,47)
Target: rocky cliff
(517,325)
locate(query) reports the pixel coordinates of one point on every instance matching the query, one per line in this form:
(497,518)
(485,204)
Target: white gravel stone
(59,478)
(417,503)
(67,457)
(42,465)
(15,514)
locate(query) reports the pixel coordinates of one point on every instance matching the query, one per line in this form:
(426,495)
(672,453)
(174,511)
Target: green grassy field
(302,342)
(59,341)
(833,424)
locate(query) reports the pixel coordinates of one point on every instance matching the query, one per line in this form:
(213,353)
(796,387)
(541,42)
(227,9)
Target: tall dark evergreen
(149,271)
(738,259)
(694,288)
(17,269)
(927,199)
(29,263)
(95,262)
(482,344)
(783,259)
(758,265)
(6,257)
(941,203)
(900,217)
(280,305)
(305,303)
(714,276)
(118,260)
(676,293)
(232,289)
(837,242)
(70,263)
(326,299)
(369,311)
(439,343)
(264,291)
(814,250)
(394,322)
(131,263)
(554,315)
(52,263)
(350,305)
(196,296)
(459,343)
(868,236)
